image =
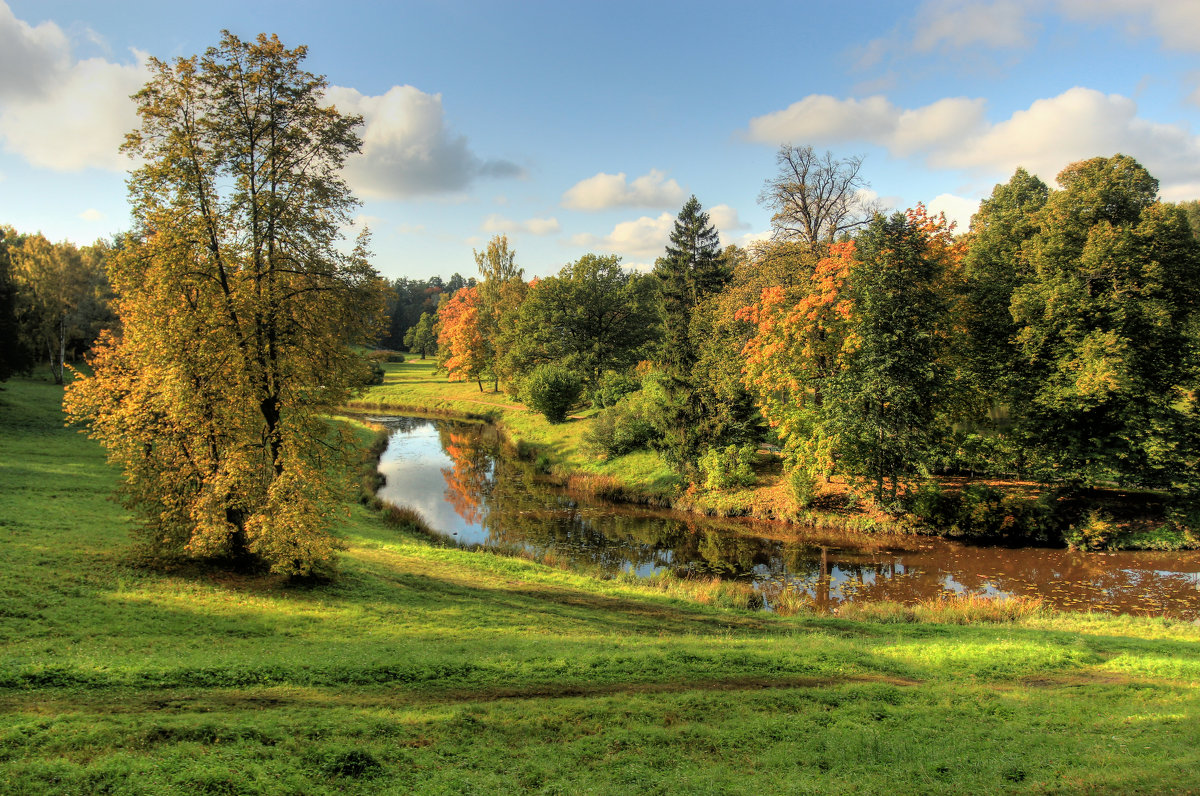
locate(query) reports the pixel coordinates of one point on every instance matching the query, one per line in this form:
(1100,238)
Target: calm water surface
(456,477)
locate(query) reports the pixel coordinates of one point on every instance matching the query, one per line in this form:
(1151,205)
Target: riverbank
(438,670)
(643,477)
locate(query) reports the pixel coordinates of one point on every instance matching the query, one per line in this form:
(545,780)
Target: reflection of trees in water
(405,425)
(508,499)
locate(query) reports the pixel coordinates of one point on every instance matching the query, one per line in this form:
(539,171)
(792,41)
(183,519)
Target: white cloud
(1176,22)
(954,133)
(59,113)
(958,209)
(605,191)
(92,214)
(31,57)
(534,226)
(960,25)
(407,149)
(725,219)
(642,241)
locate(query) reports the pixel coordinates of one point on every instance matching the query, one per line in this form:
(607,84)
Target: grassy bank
(441,671)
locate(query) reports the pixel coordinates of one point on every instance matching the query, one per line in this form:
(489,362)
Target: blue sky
(584,126)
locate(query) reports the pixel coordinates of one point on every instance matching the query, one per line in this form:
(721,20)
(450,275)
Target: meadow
(436,670)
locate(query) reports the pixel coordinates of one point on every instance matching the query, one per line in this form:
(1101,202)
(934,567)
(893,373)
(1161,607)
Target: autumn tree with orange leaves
(463,350)
(849,366)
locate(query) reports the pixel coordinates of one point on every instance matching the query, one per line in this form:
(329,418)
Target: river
(456,476)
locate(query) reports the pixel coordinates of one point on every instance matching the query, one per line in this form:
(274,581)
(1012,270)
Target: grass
(436,670)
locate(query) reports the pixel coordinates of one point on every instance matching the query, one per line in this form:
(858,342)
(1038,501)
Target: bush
(733,466)
(552,390)
(376,375)
(612,388)
(1090,534)
(395,356)
(618,430)
(803,486)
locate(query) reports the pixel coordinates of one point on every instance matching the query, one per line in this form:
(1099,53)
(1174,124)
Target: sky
(575,126)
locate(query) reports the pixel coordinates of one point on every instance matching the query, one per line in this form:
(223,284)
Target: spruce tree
(692,270)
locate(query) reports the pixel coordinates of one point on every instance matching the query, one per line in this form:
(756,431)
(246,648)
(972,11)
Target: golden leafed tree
(238,311)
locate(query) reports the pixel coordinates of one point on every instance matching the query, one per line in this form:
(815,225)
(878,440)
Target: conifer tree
(692,270)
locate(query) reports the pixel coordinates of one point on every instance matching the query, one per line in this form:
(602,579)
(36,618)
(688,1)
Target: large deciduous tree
(15,355)
(593,316)
(816,198)
(1105,330)
(238,311)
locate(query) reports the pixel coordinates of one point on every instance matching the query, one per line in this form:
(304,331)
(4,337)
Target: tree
(816,199)
(238,311)
(15,355)
(421,337)
(500,296)
(692,270)
(1106,325)
(884,405)
(63,297)
(994,266)
(592,317)
(462,348)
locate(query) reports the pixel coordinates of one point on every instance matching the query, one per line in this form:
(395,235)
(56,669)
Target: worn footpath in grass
(437,670)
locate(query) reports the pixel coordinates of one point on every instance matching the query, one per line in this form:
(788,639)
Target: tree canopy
(237,309)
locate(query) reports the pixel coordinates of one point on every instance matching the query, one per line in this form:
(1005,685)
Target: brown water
(456,477)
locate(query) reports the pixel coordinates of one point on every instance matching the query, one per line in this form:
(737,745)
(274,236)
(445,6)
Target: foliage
(238,311)
(421,338)
(691,271)
(1107,331)
(994,266)
(501,294)
(613,386)
(15,355)
(462,349)
(1093,533)
(626,426)
(592,317)
(728,467)
(63,297)
(552,390)
(803,486)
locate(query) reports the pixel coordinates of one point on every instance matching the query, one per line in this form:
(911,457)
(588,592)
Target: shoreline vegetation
(431,668)
(1116,520)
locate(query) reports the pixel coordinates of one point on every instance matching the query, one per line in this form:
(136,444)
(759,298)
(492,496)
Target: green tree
(994,266)
(421,338)
(1106,324)
(592,317)
(692,270)
(15,355)
(884,404)
(238,311)
(501,293)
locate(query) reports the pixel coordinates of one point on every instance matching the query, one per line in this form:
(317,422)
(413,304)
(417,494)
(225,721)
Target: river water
(455,475)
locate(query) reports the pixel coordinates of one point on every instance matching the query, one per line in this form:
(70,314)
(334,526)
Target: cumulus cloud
(59,113)
(407,149)
(958,209)
(954,133)
(725,219)
(605,191)
(92,214)
(641,241)
(534,226)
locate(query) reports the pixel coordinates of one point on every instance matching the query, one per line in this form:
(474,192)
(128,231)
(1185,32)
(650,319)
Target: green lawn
(441,671)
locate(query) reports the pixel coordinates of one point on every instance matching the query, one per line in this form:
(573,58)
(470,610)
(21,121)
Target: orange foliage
(461,343)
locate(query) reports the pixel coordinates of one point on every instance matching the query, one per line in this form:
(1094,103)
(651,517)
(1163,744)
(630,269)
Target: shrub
(376,374)
(618,430)
(1090,534)
(722,469)
(395,356)
(803,486)
(552,390)
(612,388)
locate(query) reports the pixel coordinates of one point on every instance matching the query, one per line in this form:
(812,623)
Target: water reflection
(455,476)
